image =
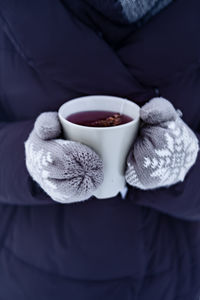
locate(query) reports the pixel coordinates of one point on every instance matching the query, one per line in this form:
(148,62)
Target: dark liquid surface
(98,118)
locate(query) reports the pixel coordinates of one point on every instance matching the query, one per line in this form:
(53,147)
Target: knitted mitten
(165,149)
(67,171)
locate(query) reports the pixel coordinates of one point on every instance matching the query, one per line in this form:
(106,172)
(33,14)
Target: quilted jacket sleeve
(181,200)
(16,186)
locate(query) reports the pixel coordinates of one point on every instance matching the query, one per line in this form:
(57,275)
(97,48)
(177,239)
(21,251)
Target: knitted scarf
(134,10)
(129,11)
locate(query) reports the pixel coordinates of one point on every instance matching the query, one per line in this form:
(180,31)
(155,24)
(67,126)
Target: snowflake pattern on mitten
(162,155)
(39,160)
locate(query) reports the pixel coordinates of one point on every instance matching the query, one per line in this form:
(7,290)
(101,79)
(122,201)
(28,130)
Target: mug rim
(98,128)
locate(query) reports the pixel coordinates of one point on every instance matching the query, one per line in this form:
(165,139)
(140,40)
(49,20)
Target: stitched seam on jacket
(162,83)
(59,275)
(82,280)
(128,277)
(31,63)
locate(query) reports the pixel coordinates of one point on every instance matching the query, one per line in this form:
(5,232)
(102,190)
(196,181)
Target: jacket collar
(105,17)
(57,45)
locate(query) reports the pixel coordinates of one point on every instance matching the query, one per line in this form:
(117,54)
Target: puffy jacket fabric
(146,246)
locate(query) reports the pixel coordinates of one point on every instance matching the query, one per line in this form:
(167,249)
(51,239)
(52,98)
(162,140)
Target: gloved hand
(67,171)
(165,149)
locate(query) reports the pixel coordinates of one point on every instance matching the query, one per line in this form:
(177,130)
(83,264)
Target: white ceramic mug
(111,143)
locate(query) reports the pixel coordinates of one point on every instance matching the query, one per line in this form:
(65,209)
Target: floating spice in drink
(99,118)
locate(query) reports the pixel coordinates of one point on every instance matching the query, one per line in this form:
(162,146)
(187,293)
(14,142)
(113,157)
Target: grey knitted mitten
(165,149)
(67,171)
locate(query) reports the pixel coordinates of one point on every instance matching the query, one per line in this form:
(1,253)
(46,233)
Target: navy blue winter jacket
(145,247)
